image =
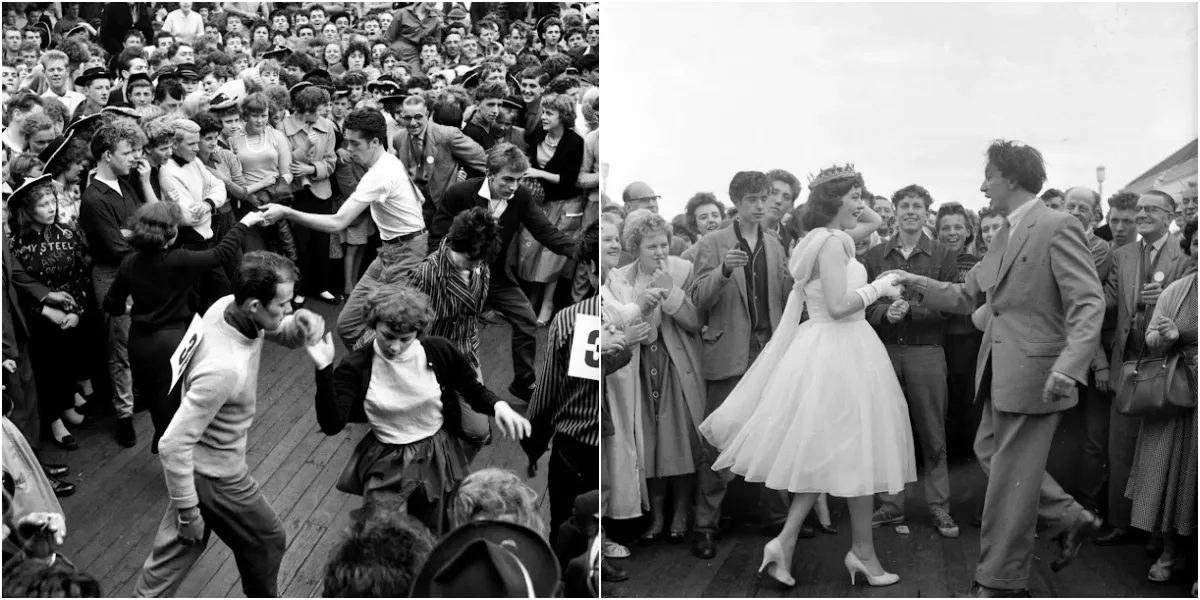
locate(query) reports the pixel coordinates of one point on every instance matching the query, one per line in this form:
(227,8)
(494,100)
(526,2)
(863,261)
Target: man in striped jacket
(567,408)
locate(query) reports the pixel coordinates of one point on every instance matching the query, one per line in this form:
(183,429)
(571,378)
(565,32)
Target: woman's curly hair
(825,199)
(496,495)
(639,224)
(400,306)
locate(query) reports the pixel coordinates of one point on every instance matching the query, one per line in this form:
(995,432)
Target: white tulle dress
(820,410)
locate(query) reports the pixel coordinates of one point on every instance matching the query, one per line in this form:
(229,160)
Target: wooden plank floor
(928,565)
(113,517)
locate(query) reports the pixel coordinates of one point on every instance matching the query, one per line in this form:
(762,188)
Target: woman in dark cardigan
(412,458)
(162,282)
(555,157)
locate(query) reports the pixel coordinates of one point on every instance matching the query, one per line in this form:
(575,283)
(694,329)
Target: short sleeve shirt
(394,201)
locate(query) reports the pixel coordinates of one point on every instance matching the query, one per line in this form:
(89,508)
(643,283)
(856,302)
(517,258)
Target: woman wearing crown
(821,410)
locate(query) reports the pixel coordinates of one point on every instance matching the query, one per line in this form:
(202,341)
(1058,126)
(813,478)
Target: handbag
(1155,387)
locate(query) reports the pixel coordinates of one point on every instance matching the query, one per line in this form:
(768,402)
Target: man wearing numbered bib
(566,407)
(203,450)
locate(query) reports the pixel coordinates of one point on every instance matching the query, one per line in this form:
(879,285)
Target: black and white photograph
(900,296)
(301,299)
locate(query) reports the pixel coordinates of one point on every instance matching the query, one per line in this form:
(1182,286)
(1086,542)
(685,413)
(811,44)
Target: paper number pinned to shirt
(187,349)
(585,348)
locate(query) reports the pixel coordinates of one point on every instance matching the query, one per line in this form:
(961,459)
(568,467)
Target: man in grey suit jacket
(1041,285)
(740,286)
(432,153)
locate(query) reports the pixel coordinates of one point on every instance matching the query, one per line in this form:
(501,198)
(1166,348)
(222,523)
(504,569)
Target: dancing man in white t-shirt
(395,207)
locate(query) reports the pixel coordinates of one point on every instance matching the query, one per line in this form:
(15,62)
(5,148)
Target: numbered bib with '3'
(585,348)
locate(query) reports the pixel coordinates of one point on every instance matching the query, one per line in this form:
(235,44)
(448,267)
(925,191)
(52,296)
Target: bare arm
(868,223)
(334,223)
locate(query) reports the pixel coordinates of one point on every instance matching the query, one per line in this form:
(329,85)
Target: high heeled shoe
(773,556)
(855,566)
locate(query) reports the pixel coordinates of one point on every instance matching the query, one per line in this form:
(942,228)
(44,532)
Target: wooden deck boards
(928,565)
(113,517)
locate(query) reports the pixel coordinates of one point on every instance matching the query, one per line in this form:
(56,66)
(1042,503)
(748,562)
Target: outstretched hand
(889,285)
(512,424)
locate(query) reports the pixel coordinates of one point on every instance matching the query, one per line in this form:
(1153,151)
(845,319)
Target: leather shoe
(62,489)
(982,591)
(55,470)
(612,573)
(807,532)
(1117,536)
(1085,528)
(126,434)
(703,545)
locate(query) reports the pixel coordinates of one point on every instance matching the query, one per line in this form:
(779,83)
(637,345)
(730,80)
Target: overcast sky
(911,93)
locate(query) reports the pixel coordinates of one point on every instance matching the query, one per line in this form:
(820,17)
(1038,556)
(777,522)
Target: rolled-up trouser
(240,515)
(118,343)
(394,262)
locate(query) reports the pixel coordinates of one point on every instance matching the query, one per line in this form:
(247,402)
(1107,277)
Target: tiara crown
(832,174)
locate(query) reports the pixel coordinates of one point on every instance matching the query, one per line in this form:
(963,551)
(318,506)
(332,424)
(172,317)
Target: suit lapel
(1017,239)
(739,274)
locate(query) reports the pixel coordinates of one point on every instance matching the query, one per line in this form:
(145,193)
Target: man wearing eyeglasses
(432,153)
(1140,272)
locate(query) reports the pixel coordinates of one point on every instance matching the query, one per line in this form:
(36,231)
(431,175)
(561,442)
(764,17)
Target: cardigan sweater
(342,390)
(566,163)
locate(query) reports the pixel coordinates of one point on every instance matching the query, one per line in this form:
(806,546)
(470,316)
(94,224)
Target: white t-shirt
(71,99)
(186,27)
(395,201)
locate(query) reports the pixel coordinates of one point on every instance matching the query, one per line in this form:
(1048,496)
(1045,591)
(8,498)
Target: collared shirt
(111,183)
(564,405)
(1156,247)
(497,207)
(71,99)
(929,258)
(1018,213)
(104,210)
(756,279)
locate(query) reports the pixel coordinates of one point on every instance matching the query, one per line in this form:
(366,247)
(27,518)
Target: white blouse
(404,398)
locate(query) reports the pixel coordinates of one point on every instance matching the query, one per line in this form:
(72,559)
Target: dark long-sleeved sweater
(103,212)
(161,281)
